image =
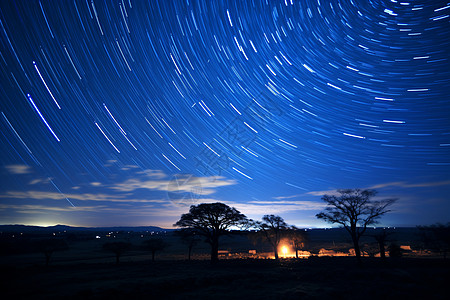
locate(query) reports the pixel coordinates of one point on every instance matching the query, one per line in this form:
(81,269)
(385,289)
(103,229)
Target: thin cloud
(39,195)
(35,208)
(39,181)
(158,174)
(132,211)
(403,184)
(400,184)
(181,183)
(135,184)
(18,169)
(321,193)
(269,207)
(287,197)
(265,209)
(129,167)
(300,205)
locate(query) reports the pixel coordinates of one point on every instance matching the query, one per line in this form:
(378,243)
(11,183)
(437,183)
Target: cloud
(135,184)
(178,184)
(39,181)
(265,209)
(400,184)
(18,169)
(39,195)
(403,184)
(298,205)
(321,193)
(258,207)
(177,188)
(287,197)
(158,174)
(34,208)
(124,211)
(129,167)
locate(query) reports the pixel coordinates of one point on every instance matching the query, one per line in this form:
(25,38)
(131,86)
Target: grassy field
(86,271)
(315,278)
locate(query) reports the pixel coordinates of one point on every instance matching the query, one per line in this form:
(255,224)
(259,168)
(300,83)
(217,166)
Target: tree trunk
(357,250)
(275,251)
(189,253)
(215,250)
(382,250)
(296,253)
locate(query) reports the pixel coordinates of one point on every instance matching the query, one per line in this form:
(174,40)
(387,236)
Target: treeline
(352,209)
(188,243)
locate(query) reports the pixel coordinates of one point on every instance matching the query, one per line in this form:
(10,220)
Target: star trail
(126,112)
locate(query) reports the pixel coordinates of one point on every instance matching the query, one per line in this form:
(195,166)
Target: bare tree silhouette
(382,237)
(50,245)
(272,227)
(118,248)
(297,238)
(354,210)
(189,237)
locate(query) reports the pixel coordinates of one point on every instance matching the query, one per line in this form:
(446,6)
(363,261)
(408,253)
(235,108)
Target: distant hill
(59,228)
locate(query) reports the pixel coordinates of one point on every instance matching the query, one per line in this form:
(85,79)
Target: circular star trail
(254,102)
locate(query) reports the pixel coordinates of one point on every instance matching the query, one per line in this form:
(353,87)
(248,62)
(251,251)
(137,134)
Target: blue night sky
(126,112)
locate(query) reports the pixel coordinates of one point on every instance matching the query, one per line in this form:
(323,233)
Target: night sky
(127,112)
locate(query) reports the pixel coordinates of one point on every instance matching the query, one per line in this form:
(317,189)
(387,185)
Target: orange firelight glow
(284,250)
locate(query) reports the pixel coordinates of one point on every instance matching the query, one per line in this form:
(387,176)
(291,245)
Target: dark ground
(315,278)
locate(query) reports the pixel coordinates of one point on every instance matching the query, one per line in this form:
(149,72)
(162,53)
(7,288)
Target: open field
(84,247)
(316,278)
(84,270)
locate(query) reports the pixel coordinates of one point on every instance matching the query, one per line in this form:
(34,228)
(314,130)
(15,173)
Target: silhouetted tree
(354,210)
(395,251)
(189,237)
(272,227)
(155,245)
(50,245)
(118,248)
(212,220)
(436,237)
(381,238)
(297,238)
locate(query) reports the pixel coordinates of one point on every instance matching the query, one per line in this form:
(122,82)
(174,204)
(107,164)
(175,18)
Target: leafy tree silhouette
(212,220)
(155,245)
